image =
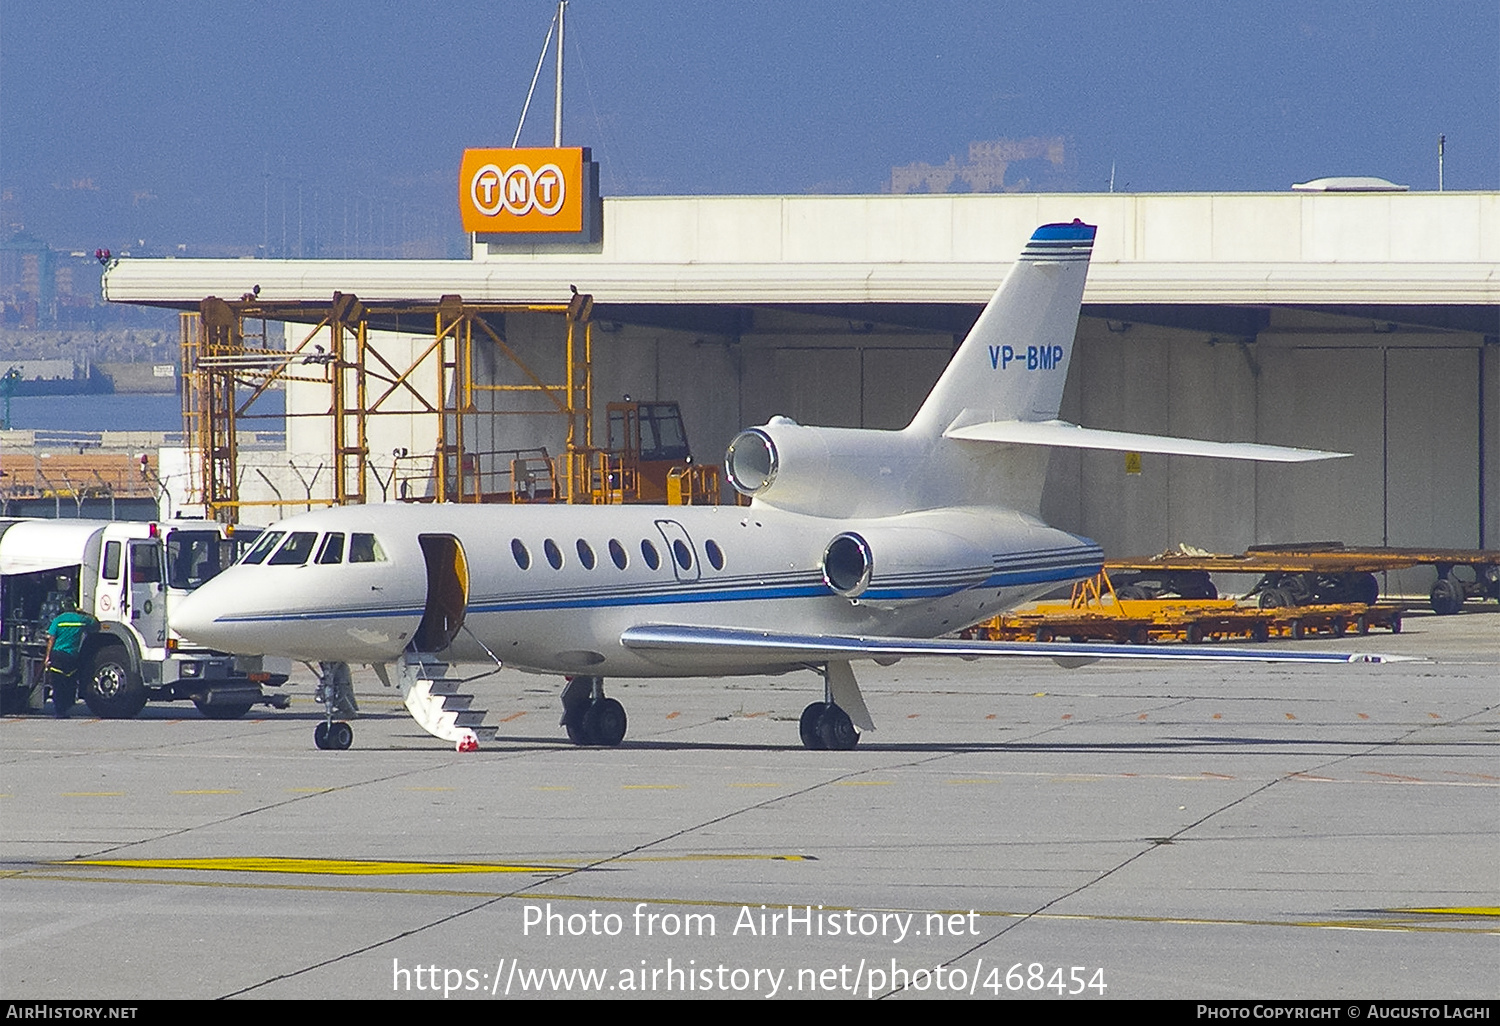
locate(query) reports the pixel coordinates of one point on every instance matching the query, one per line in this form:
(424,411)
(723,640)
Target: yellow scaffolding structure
(226,369)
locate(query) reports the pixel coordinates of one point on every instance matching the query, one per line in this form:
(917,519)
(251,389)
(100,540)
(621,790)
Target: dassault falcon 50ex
(857,544)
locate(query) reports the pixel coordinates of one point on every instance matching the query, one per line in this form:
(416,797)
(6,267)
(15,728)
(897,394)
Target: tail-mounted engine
(823,471)
(890,566)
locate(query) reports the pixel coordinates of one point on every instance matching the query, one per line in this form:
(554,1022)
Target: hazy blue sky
(200,123)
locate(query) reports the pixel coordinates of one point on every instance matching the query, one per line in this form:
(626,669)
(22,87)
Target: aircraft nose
(196,618)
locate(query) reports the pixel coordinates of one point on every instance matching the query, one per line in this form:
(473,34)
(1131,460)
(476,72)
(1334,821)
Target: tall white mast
(562,5)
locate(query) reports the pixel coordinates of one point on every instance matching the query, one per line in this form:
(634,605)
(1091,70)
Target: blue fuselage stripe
(696,592)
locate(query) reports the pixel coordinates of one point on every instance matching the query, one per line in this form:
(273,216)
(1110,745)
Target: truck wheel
(111,689)
(221,710)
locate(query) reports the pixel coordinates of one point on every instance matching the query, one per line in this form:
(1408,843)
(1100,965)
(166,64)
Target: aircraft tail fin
(1014,362)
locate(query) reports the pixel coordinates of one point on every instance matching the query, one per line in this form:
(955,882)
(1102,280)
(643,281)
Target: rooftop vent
(1355,183)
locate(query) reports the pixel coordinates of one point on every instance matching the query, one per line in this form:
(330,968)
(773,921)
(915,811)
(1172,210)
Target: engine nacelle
(823,471)
(891,566)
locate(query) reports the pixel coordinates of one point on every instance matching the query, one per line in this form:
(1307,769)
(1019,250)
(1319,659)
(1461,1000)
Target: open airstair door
(432,696)
(447,593)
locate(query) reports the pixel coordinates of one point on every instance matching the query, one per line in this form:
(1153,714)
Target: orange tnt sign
(528,191)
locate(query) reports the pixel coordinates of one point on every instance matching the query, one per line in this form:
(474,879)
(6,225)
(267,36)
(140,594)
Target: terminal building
(1367,323)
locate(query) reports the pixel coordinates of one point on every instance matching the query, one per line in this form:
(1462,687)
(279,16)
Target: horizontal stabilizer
(669,644)
(1070,436)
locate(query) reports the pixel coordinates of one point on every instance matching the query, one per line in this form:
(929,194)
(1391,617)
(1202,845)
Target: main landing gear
(827,725)
(588,716)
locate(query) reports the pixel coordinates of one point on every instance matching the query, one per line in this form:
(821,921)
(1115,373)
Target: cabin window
(650,555)
(617,553)
(333,548)
(263,546)
(522,555)
(715,554)
(585,554)
(554,554)
(111,561)
(295,550)
(683,554)
(365,548)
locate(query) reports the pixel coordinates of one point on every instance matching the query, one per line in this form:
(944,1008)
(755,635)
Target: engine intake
(893,566)
(848,565)
(752,462)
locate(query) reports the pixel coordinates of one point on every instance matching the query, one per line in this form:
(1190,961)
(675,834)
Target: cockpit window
(263,547)
(365,548)
(295,550)
(332,550)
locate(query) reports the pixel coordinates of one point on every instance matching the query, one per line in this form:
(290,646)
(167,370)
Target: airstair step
(436,702)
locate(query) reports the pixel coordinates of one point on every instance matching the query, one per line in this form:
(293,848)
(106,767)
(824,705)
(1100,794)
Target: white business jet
(857,544)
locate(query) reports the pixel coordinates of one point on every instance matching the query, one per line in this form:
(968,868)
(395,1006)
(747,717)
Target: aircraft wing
(1070,436)
(674,644)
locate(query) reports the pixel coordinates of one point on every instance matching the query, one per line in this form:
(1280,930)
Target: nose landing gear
(335,735)
(335,693)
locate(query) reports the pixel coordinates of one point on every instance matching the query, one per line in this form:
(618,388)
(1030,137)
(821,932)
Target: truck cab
(128,575)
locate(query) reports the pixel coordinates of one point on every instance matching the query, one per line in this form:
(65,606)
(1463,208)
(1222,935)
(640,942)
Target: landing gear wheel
(807,727)
(340,735)
(837,730)
(111,689)
(574,726)
(222,710)
(604,723)
(320,736)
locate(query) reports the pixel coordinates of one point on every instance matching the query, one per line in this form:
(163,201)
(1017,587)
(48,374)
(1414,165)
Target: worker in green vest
(66,635)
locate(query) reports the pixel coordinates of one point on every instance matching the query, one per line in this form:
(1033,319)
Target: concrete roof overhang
(1158,258)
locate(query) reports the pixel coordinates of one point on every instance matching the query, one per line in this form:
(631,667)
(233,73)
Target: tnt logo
(517,190)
